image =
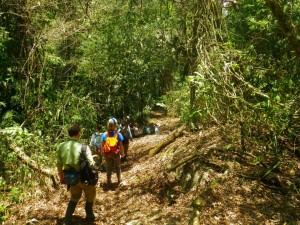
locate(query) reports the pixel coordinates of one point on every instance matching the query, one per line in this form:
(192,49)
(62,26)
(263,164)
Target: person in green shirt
(68,159)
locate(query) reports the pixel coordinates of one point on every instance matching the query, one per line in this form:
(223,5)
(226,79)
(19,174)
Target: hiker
(152,128)
(68,160)
(112,149)
(156,128)
(146,130)
(136,131)
(95,145)
(124,129)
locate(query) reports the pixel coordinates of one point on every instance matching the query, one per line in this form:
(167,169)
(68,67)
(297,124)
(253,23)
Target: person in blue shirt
(113,150)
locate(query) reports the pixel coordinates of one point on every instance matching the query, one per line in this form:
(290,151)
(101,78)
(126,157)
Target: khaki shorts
(89,192)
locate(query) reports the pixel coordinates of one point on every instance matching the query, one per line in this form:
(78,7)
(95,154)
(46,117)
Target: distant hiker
(136,131)
(95,144)
(124,129)
(146,130)
(156,128)
(152,128)
(68,162)
(112,148)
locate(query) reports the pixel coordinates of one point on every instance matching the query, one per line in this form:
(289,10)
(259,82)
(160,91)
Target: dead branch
(34,165)
(184,161)
(171,138)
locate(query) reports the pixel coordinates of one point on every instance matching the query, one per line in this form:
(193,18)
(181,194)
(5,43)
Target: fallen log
(184,161)
(34,165)
(171,138)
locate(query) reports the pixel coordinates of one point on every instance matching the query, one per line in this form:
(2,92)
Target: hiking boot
(101,168)
(69,212)
(119,178)
(90,216)
(109,184)
(108,180)
(69,221)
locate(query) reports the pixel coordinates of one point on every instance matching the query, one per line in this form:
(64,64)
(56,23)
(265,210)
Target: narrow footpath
(135,201)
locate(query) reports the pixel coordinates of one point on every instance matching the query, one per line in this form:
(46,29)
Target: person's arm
(122,150)
(59,168)
(120,139)
(129,132)
(61,176)
(103,137)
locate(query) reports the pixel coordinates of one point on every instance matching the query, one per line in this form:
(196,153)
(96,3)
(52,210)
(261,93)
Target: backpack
(88,175)
(124,132)
(97,140)
(111,144)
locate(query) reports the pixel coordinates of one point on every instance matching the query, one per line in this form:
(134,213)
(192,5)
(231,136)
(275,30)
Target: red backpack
(111,144)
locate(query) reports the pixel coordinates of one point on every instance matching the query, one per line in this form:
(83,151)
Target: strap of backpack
(83,150)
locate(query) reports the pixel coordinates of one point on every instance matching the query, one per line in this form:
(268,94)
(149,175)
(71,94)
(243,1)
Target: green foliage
(131,65)
(250,80)
(17,179)
(6,79)
(3,209)
(15,195)
(65,62)
(8,119)
(178,103)
(3,184)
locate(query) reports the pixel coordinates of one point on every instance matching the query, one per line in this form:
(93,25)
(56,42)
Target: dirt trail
(133,202)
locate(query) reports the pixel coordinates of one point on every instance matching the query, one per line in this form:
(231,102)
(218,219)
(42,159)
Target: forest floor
(218,191)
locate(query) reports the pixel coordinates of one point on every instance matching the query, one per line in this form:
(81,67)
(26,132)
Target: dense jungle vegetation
(231,64)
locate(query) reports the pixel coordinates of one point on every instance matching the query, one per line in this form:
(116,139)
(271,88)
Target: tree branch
(175,134)
(286,25)
(34,165)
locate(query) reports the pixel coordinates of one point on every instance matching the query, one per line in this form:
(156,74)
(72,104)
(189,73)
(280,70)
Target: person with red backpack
(112,149)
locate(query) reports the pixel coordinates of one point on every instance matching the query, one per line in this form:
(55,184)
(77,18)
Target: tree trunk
(175,134)
(286,25)
(34,165)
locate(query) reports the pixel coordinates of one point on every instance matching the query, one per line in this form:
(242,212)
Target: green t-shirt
(68,155)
